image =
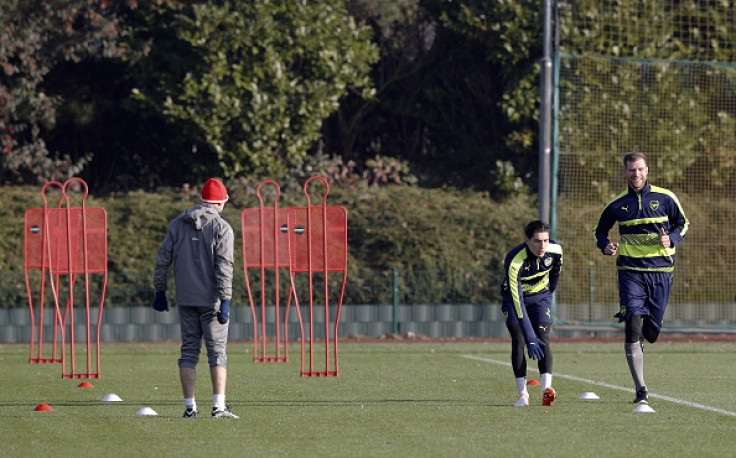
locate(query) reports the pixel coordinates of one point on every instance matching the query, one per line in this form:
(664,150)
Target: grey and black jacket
(199,244)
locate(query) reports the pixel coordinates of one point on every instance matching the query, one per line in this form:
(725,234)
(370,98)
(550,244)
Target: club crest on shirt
(654,204)
(547,262)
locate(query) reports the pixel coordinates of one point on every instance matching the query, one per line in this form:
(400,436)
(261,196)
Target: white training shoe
(523,400)
(225,413)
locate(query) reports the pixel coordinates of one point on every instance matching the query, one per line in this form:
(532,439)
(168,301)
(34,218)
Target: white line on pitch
(615,387)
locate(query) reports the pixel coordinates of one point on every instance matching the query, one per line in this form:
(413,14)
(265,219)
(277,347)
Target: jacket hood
(199,216)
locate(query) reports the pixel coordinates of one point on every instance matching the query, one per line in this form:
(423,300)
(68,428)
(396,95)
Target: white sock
(218,401)
(546,381)
(521,385)
(190,403)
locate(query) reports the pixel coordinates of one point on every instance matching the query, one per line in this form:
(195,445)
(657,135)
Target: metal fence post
(396,300)
(591,274)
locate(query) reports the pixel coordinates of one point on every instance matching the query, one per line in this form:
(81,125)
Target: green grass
(391,399)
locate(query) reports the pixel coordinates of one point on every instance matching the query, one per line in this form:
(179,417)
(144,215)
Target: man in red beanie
(199,243)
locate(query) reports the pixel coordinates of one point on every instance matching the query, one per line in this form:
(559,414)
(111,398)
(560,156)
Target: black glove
(621,315)
(160,304)
(223,315)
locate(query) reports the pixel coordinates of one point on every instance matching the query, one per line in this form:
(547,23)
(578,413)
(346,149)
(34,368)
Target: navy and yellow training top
(641,215)
(526,274)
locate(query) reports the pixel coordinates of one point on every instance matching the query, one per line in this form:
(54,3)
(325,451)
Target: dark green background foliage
(136,95)
(447,245)
(439,97)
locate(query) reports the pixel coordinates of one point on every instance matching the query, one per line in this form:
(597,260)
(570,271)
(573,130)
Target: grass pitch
(419,399)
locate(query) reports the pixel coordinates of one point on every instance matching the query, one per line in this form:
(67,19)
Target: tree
(263,76)
(507,37)
(456,92)
(655,83)
(35,36)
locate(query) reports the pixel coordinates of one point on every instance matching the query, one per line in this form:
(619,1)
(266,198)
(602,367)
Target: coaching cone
(643,409)
(43,408)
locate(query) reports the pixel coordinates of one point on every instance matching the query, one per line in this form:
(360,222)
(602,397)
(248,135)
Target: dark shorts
(538,307)
(200,324)
(645,293)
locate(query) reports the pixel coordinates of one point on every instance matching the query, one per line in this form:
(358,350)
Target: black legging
(518,349)
(638,327)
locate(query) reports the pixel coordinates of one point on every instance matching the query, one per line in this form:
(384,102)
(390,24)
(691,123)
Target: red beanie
(214,192)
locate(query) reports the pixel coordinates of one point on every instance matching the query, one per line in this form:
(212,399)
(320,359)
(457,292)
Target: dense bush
(446,245)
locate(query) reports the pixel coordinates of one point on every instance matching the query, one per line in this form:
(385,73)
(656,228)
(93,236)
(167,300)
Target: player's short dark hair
(632,157)
(535,226)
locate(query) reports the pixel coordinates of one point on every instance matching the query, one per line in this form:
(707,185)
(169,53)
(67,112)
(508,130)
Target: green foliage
(386,15)
(240,87)
(650,29)
(264,75)
(445,228)
(656,77)
(680,114)
(510,37)
(506,181)
(447,244)
(456,91)
(37,36)
(637,81)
